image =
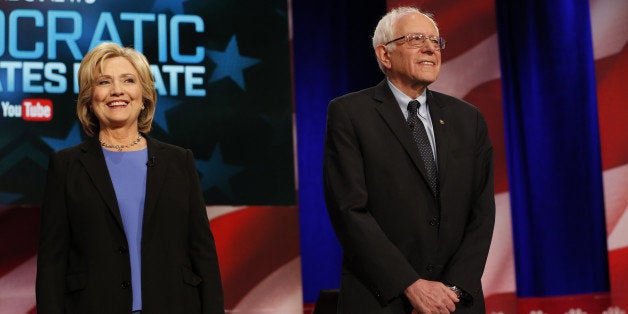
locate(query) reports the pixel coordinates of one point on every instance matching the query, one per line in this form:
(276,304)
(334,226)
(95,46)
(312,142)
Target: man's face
(410,67)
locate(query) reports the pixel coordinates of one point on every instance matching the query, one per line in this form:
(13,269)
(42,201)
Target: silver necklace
(120,147)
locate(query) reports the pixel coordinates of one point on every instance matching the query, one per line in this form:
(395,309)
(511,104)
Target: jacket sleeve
(202,247)
(374,259)
(466,266)
(54,241)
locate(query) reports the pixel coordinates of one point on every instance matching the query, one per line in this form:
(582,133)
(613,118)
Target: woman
(124,227)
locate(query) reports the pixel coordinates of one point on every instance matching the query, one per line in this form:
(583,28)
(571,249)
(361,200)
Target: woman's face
(117,95)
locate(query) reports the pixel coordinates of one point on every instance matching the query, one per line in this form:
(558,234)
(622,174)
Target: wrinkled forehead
(414,22)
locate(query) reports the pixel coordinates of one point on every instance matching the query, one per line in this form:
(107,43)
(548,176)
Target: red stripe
(251,244)
(19,235)
(613,111)
(463,23)
(488,98)
(618,268)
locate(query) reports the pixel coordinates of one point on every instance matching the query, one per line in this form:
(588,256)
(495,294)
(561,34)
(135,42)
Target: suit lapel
(438,113)
(155,177)
(389,110)
(93,160)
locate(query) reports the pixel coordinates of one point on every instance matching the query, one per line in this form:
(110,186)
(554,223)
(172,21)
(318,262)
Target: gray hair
(386,26)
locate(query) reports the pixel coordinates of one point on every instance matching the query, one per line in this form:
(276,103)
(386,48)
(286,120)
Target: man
(410,196)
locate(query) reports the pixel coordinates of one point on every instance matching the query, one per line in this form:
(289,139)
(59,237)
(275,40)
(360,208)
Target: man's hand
(431,297)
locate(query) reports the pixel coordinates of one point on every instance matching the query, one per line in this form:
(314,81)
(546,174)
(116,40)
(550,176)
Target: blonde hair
(90,69)
(384,31)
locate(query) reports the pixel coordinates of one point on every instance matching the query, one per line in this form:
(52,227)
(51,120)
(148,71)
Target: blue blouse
(128,175)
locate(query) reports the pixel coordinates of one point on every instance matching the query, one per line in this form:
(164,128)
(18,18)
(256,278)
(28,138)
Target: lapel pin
(442,122)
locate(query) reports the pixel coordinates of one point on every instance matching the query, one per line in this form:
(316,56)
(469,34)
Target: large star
(230,63)
(164,105)
(216,173)
(174,6)
(73,138)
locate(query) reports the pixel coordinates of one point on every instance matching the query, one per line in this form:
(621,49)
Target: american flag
(258,251)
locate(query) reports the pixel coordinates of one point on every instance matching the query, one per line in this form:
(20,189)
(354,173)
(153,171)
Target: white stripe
(616,203)
(17,288)
(476,66)
(609,25)
(214,212)
(279,293)
(499,273)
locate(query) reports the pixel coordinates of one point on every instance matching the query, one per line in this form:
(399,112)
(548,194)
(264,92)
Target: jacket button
(121,250)
(125,284)
(430,268)
(434,221)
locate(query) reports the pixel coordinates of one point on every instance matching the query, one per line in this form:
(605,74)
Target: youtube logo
(31,109)
(37,109)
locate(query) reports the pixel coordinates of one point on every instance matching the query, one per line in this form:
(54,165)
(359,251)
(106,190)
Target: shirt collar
(403,99)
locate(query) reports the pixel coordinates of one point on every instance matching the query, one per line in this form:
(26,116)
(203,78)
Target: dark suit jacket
(392,229)
(83,264)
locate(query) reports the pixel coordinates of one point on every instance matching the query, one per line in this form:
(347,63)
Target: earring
(143,107)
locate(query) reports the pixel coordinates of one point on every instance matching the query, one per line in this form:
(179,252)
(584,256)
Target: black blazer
(83,264)
(392,229)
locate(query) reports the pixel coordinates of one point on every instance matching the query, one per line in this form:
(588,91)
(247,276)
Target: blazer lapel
(155,177)
(93,160)
(438,113)
(388,108)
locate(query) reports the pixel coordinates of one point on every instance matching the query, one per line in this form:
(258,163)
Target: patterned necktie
(425,149)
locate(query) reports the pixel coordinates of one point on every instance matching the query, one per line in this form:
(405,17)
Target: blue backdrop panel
(211,61)
(553,147)
(332,56)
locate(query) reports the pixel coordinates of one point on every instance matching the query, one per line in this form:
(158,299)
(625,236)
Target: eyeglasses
(418,41)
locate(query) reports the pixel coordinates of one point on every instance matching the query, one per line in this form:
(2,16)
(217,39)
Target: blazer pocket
(190,277)
(75,282)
